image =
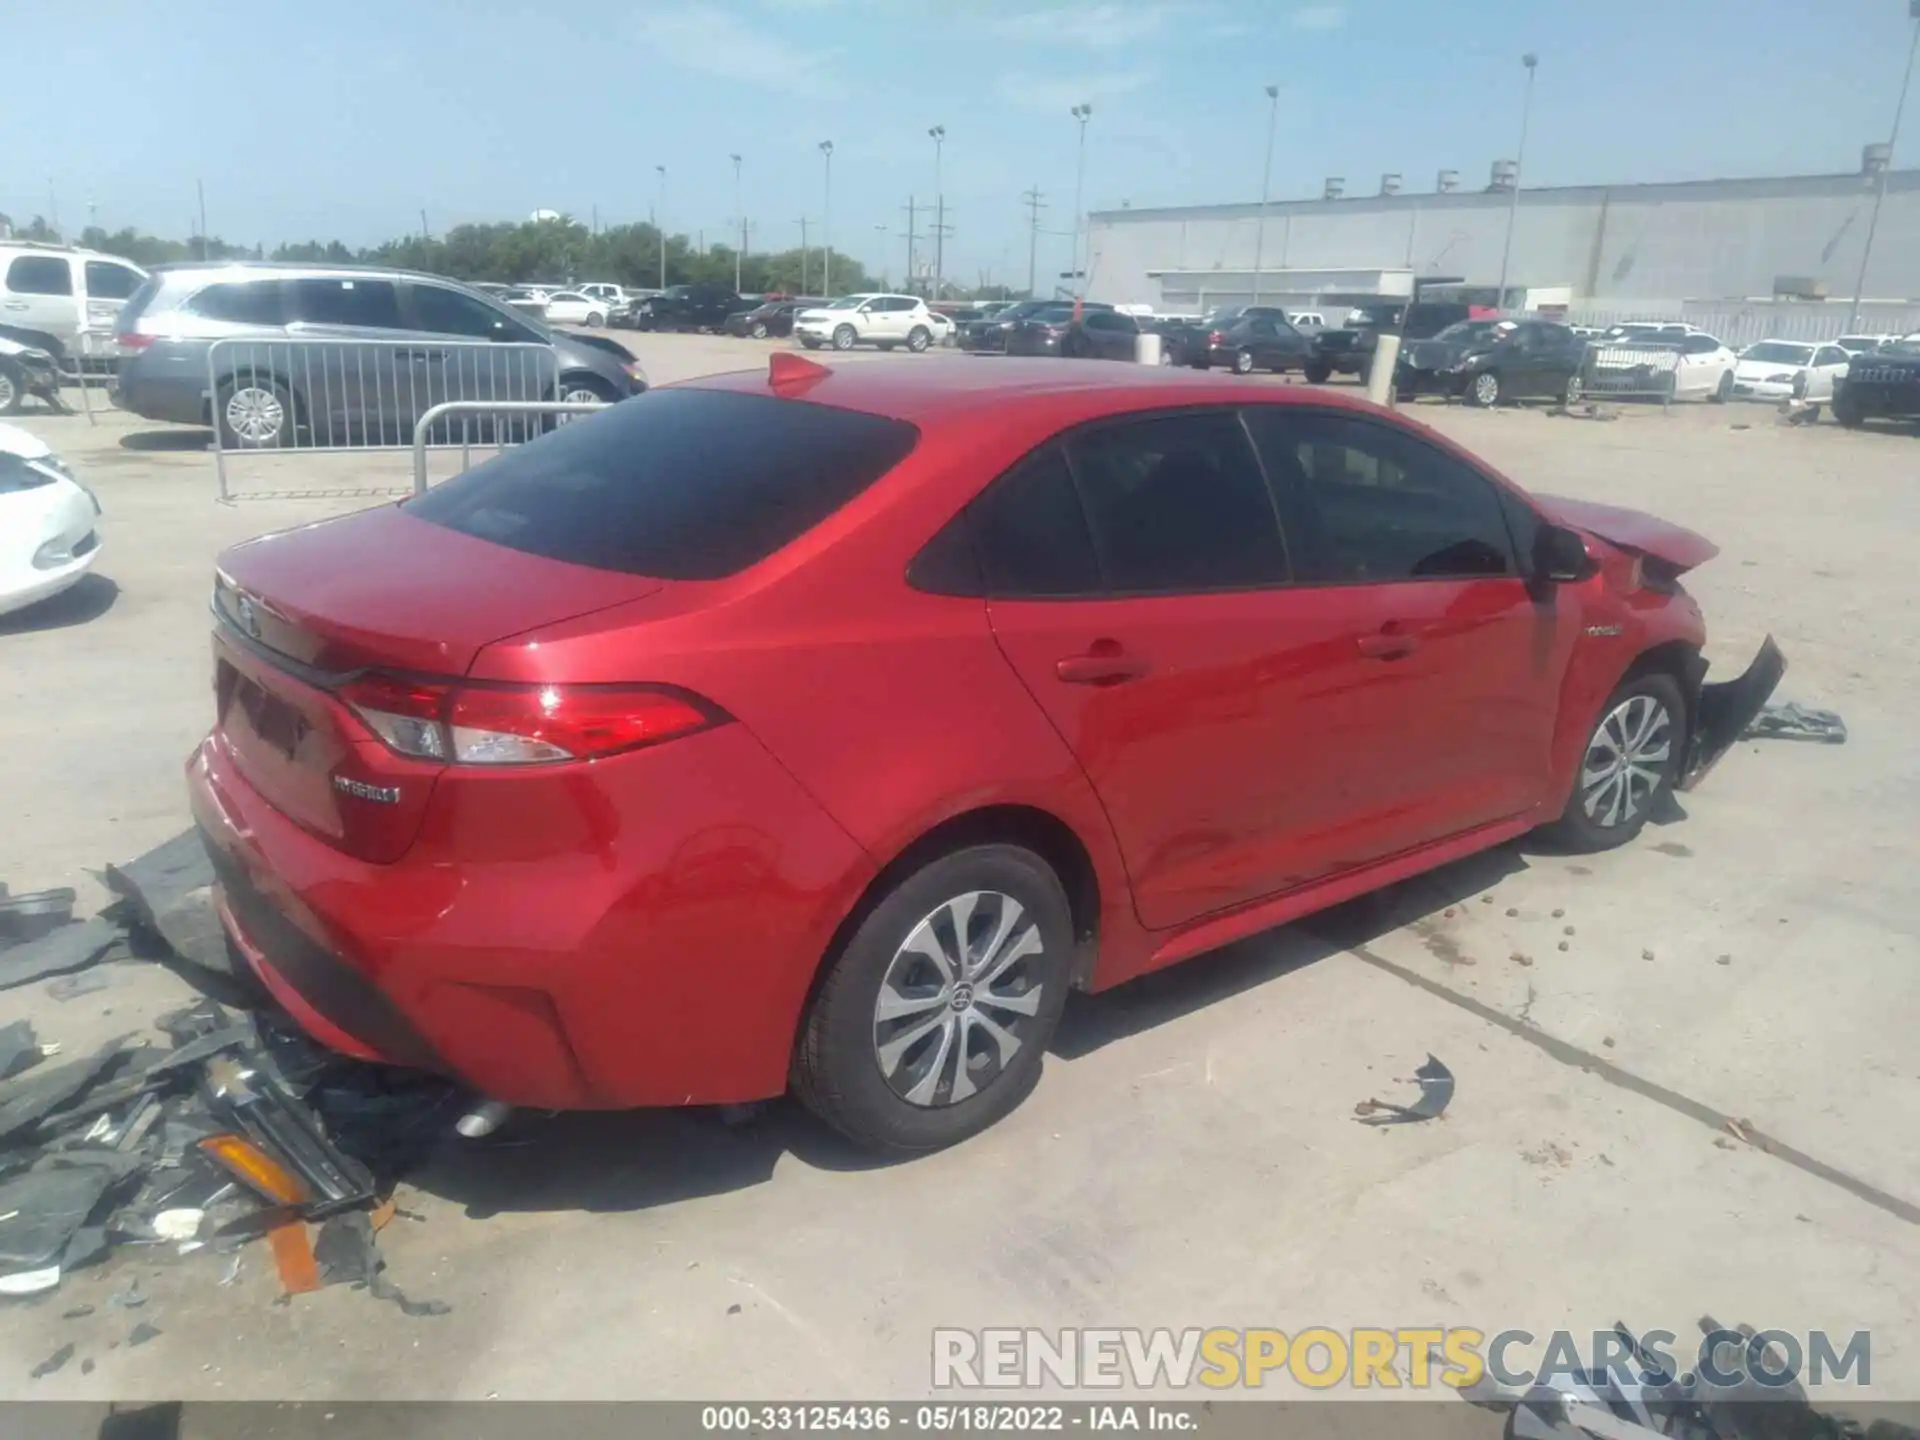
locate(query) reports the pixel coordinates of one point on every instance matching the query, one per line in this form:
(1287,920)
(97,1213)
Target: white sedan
(570,307)
(47,539)
(1789,370)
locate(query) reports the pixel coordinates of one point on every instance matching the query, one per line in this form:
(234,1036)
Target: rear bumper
(172,389)
(644,933)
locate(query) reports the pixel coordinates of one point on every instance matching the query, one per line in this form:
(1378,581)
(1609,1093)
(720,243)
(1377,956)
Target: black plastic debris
(49,1204)
(58,951)
(53,1362)
(28,917)
(1436,1092)
(27,1101)
(19,1049)
(346,1254)
(141,1334)
(72,987)
(1793,721)
(170,891)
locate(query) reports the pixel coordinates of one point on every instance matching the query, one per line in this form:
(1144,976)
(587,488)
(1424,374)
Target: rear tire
(759,329)
(1723,391)
(889,1081)
(919,338)
(1630,764)
(807,342)
(1484,390)
(1243,362)
(1846,412)
(595,320)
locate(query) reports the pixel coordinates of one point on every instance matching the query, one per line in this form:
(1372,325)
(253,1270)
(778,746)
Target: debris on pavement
(1436,1092)
(141,1334)
(59,951)
(170,892)
(53,1362)
(28,917)
(19,1049)
(1794,721)
(72,987)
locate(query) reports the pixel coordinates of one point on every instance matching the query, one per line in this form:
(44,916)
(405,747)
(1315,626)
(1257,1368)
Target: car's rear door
(1829,364)
(1137,582)
(1456,665)
(354,381)
(38,296)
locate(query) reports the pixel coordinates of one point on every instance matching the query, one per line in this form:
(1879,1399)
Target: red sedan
(821,729)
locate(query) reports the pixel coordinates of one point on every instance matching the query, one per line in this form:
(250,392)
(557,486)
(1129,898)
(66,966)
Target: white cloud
(1319,17)
(1088,27)
(717,42)
(1057,93)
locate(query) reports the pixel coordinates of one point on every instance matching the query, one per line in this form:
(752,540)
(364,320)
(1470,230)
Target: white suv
(880,320)
(51,295)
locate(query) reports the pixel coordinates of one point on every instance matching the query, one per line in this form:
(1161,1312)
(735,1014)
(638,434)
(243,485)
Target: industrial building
(1786,252)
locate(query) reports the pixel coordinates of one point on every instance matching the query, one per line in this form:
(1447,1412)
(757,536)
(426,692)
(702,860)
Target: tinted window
(107,281)
(1031,534)
(1365,502)
(367,303)
(680,484)
(448,312)
(254,303)
(1830,355)
(1178,504)
(1700,345)
(40,275)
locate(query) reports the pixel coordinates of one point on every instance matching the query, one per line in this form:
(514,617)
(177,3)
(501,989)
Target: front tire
(1243,362)
(1572,393)
(1484,389)
(933,1019)
(1318,372)
(844,337)
(759,329)
(595,320)
(254,414)
(919,338)
(1630,764)
(809,343)
(1846,411)
(13,388)
(1723,391)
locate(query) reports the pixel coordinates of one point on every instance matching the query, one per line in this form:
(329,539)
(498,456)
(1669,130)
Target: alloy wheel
(1486,388)
(1575,389)
(1627,759)
(958,1000)
(9,396)
(255,414)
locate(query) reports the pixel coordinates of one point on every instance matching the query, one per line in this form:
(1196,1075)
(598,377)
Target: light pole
(741,215)
(1266,179)
(1080,113)
(826,224)
(1880,190)
(939,135)
(1532,62)
(881,231)
(660,223)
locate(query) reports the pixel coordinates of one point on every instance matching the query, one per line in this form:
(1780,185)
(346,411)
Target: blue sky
(344,119)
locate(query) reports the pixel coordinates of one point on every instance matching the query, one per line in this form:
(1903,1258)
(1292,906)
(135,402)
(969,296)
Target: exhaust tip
(483,1119)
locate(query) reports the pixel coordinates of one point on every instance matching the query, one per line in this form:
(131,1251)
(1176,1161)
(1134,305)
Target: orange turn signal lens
(256,1169)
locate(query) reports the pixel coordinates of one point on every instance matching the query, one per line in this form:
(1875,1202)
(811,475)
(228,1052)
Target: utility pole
(939,136)
(1266,180)
(200,186)
(802,222)
(826,224)
(1531,61)
(424,234)
(913,236)
(1034,207)
(1880,190)
(739,214)
(1080,113)
(660,224)
(596,219)
(53,208)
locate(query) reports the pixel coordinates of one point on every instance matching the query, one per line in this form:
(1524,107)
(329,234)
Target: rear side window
(1178,504)
(107,281)
(370,304)
(678,484)
(40,275)
(253,303)
(1030,533)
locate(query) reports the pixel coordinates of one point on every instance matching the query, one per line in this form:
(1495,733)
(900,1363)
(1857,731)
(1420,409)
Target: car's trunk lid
(303,613)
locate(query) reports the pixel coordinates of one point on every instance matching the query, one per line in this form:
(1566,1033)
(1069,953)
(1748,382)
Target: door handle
(1391,643)
(1100,666)
(16,304)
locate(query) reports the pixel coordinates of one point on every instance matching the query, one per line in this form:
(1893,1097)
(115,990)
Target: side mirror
(1560,555)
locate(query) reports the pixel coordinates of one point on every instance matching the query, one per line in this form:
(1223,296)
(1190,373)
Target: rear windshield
(678,484)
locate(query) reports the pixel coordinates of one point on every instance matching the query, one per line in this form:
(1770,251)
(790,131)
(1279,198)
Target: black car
(771,320)
(689,307)
(1881,384)
(991,334)
(1349,350)
(1258,339)
(1488,361)
(1098,334)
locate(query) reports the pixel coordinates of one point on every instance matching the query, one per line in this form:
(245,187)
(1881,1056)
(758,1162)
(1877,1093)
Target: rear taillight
(133,340)
(466,724)
(1218,337)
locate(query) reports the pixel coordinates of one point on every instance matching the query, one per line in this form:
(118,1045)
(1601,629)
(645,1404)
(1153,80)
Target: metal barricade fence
(94,345)
(301,395)
(467,409)
(1629,372)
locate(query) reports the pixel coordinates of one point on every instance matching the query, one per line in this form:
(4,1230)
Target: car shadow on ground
(88,598)
(183,438)
(635,1160)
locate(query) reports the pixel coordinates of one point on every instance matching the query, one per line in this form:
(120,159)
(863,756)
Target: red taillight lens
(130,340)
(1217,338)
(520,724)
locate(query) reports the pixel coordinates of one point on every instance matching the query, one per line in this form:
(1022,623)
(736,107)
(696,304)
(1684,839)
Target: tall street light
(939,135)
(1080,113)
(1880,190)
(740,214)
(1531,61)
(660,222)
(826,225)
(1266,179)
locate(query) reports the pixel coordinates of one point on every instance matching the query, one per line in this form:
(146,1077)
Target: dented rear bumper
(1722,712)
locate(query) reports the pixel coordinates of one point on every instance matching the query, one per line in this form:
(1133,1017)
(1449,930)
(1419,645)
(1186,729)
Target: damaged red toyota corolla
(819,731)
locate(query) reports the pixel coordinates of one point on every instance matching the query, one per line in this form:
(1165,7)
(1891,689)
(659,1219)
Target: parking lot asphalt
(1191,1156)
